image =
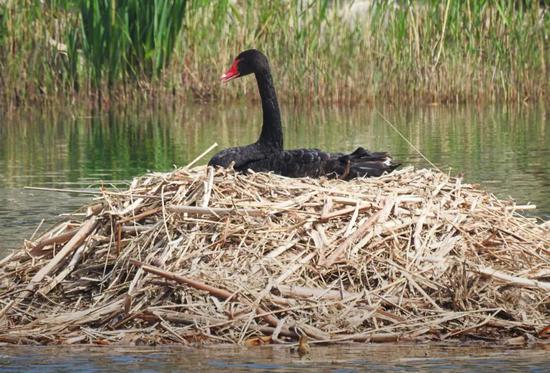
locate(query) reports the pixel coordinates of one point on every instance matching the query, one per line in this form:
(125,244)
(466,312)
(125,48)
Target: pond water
(505,150)
(336,358)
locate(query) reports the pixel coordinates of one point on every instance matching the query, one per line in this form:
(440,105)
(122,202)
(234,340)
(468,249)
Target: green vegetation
(128,38)
(426,51)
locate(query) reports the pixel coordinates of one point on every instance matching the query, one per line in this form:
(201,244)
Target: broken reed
(429,51)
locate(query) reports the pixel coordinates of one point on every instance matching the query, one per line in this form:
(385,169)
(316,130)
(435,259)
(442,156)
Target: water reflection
(505,150)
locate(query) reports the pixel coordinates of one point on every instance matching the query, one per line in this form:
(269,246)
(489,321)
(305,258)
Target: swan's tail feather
(362,163)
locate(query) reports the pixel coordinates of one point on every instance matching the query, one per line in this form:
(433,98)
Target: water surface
(336,358)
(506,150)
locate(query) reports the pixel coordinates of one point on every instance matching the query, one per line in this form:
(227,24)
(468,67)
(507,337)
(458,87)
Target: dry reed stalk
(201,255)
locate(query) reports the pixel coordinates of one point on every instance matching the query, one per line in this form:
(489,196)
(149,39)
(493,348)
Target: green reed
(435,51)
(398,51)
(28,62)
(126,39)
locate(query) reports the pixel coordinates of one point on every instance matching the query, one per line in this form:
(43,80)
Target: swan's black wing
(316,163)
(305,162)
(241,157)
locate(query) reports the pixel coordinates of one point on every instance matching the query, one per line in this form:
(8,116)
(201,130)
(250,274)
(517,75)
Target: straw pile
(198,255)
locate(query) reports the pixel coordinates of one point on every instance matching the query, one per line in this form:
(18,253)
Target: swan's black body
(267,154)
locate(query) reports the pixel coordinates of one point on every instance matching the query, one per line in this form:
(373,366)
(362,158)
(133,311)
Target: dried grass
(198,255)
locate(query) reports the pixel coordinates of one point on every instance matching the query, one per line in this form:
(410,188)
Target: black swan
(267,154)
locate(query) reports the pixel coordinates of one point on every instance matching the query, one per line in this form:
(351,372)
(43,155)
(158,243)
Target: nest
(202,255)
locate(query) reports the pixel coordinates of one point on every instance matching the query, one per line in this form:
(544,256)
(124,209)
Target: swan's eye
(232,73)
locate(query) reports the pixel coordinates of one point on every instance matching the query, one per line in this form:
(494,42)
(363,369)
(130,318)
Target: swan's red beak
(232,73)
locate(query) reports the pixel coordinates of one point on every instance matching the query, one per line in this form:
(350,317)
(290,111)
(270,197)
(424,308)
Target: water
(348,358)
(507,151)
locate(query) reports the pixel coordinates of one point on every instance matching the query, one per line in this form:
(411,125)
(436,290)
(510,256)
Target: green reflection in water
(505,150)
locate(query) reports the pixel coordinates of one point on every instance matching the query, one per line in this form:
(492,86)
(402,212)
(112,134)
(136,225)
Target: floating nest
(202,255)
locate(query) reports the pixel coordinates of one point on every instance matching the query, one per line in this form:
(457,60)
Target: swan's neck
(272,132)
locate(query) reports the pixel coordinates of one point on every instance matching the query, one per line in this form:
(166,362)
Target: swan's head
(247,62)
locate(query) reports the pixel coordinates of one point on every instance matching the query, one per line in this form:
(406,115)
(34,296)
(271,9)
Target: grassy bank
(475,51)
